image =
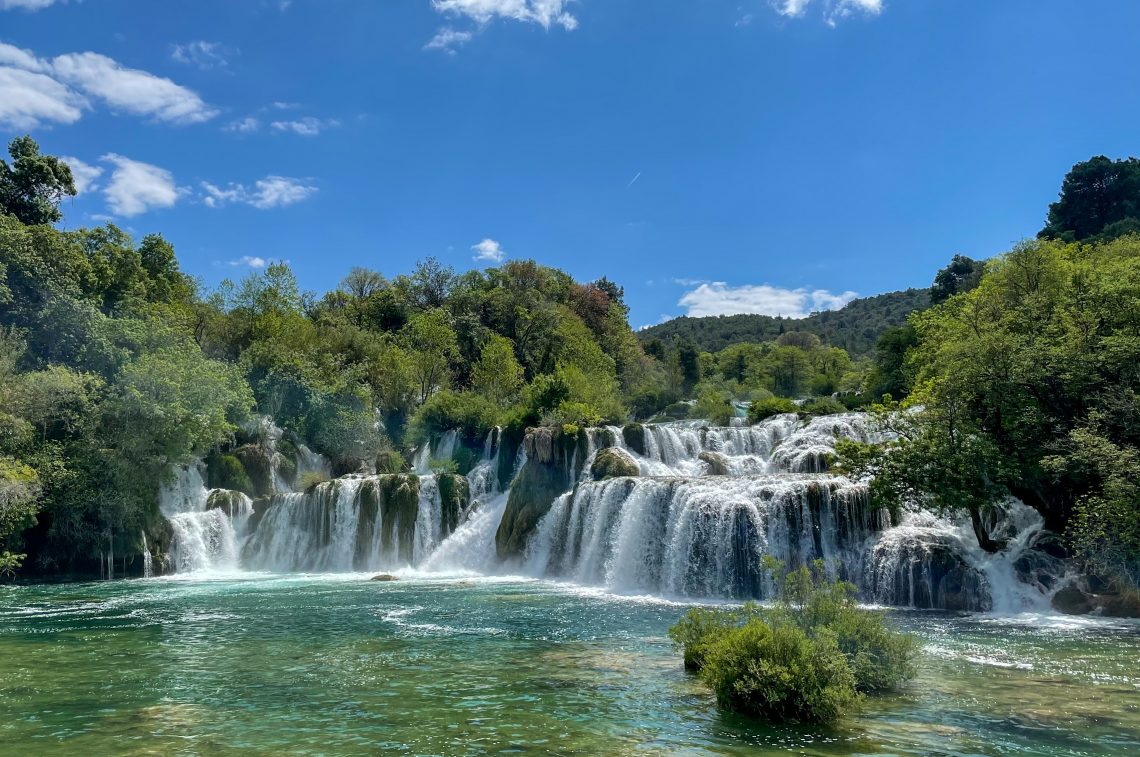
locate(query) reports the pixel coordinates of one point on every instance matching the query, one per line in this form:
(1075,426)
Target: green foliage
(1100,200)
(822,406)
(473,415)
(766,408)
(227,472)
(808,658)
(497,374)
(961,275)
(310,480)
(32,187)
(715,406)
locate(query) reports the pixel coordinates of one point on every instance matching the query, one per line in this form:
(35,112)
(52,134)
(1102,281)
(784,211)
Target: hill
(854,327)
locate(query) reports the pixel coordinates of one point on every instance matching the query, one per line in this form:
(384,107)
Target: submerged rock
(613,463)
(384,577)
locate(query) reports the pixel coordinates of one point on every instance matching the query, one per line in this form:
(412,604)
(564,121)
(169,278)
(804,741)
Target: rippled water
(341,665)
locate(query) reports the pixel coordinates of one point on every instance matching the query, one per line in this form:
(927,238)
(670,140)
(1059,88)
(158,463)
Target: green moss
(257,467)
(399,499)
(228,472)
(634,435)
(455,497)
(391,461)
(613,463)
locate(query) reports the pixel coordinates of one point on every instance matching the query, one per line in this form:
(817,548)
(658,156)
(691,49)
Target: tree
(497,375)
(961,275)
(1100,198)
(889,376)
(433,346)
(32,187)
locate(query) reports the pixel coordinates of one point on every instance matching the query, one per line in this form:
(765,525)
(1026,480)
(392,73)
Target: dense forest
(115,366)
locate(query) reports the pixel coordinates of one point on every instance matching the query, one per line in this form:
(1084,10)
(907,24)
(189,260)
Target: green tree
(32,187)
(433,347)
(1100,198)
(961,275)
(497,375)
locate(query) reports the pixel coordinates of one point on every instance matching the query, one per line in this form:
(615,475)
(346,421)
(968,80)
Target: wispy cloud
(267,193)
(833,11)
(84,174)
(448,39)
(489,251)
(36,91)
(27,5)
(246,125)
(137,187)
(305,127)
(545,13)
(718,298)
(205,55)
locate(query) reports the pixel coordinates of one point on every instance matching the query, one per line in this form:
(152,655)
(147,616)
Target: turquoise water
(339,665)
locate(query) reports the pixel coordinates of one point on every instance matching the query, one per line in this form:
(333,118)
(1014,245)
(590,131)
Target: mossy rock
(534,491)
(718,463)
(613,463)
(386,577)
(227,472)
(634,435)
(258,467)
(395,498)
(454,497)
(1072,601)
(391,461)
(224,499)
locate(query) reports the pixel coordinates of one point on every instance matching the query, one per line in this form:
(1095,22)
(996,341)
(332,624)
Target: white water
(205,538)
(676,530)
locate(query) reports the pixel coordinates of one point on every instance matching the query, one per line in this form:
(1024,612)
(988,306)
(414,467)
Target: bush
(808,658)
(766,408)
(310,480)
(470,414)
(823,406)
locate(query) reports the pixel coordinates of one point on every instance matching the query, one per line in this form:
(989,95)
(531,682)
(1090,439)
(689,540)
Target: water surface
(262,664)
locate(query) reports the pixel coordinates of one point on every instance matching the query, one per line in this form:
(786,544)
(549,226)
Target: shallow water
(261,664)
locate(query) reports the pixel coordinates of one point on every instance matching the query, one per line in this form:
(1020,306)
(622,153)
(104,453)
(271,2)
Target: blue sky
(709,155)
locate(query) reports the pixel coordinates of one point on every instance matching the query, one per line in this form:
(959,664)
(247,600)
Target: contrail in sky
(633,180)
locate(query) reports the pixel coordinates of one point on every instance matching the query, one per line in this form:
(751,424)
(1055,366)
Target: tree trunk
(984,541)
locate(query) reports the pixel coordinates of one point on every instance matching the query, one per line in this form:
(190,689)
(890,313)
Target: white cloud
(489,250)
(546,13)
(27,5)
(833,10)
(447,39)
(252,262)
(200,53)
(246,125)
(717,298)
(267,193)
(84,174)
(130,89)
(29,99)
(137,187)
(36,91)
(306,127)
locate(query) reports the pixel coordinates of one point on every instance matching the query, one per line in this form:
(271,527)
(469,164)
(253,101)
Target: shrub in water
(766,408)
(808,658)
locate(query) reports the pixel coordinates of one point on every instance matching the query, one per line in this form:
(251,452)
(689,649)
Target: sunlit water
(341,665)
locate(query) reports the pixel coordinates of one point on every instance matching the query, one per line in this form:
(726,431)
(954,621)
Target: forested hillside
(854,327)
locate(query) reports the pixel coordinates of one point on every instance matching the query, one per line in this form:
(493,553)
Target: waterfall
(148,559)
(708,505)
(207,525)
(701,537)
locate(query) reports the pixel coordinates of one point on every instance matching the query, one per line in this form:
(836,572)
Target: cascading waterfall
(701,537)
(709,504)
(207,525)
